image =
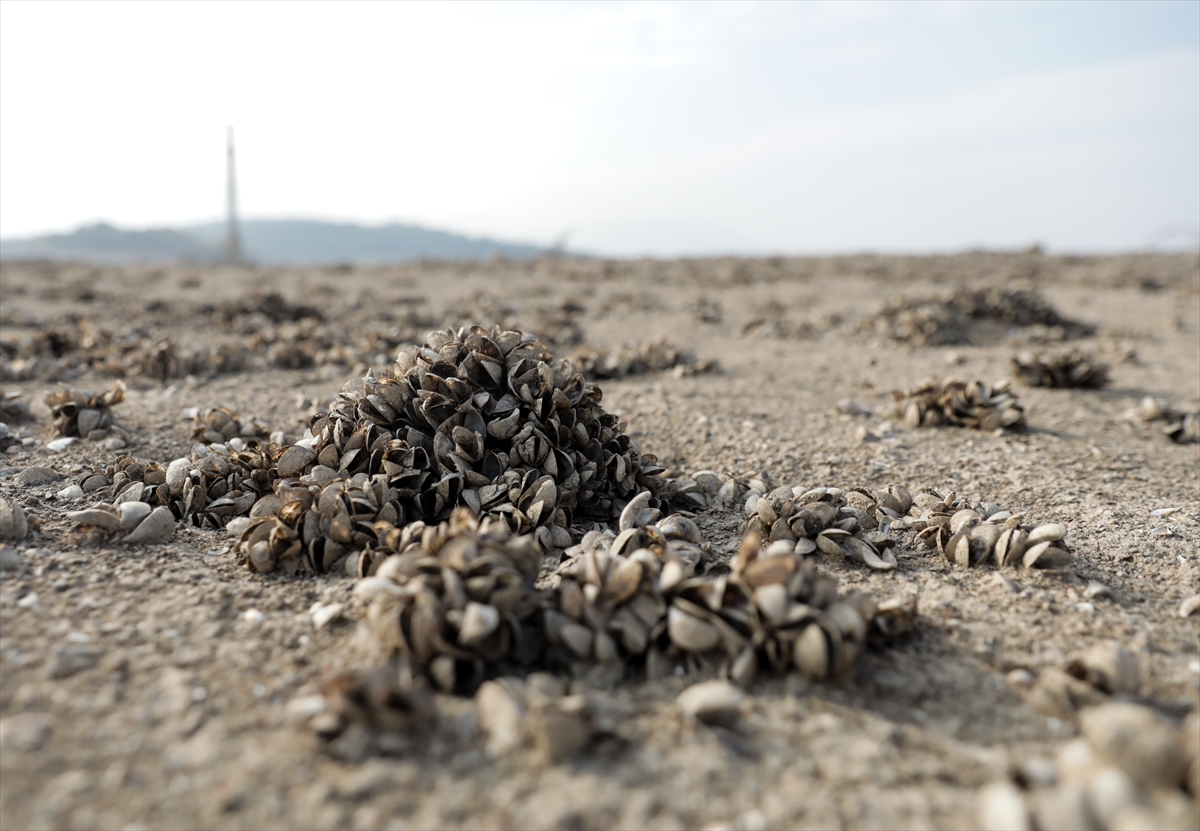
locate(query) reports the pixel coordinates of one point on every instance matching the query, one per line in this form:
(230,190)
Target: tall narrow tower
(233,238)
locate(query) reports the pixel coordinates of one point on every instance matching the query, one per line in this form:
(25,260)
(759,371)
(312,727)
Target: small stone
(1190,606)
(237,525)
(305,707)
(1020,678)
(1096,590)
(501,715)
(10,560)
(253,616)
(29,601)
(32,477)
(1000,806)
(25,731)
(711,701)
(70,493)
(323,615)
(561,729)
(60,444)
(113,443)
(70,660)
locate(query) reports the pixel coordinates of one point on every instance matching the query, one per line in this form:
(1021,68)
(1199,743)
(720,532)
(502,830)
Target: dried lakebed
(165,685)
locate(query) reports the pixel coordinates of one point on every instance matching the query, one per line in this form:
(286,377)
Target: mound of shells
(969,535)
(83,413)
(487,420)
(458,602)
(956,320)
(1131,767)
(955,403)
(660,356)
(1073,368)
(1180,426)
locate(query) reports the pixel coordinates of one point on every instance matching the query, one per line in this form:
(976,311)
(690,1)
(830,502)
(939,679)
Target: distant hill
(284,242)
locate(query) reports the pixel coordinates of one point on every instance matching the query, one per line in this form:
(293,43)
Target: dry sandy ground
(137,693)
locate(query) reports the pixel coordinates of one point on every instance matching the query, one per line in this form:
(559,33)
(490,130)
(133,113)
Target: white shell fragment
(13,525)
(711,701)
(156,527)
(1190,606)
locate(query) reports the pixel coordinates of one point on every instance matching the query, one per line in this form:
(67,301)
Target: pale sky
(640,128)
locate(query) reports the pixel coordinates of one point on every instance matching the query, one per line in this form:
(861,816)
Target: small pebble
(71,492)
(1095,589)
(25,731)
(1190,606)
(36,476)
(61,444)
(29,601)
(323,615)
(711,701)
(253,615)
(10,560)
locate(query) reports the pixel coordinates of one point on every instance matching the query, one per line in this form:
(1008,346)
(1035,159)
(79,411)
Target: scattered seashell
(711,701)
(1190,606)
(158,526)
(13,525)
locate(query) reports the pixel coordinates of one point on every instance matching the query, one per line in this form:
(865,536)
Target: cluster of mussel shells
(458,602)
(1130,767)
(212,486)
(482,419)
(83,413)
(975,404)
(220,424)
(1072,368)
(854,524)
(968,535)
(1179,425)
(659,356)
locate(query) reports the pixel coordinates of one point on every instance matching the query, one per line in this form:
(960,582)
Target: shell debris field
(444,596)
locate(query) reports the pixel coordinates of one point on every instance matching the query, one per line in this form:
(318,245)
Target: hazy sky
(640,128)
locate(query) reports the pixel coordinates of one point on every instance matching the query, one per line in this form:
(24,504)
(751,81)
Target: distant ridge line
(268,242)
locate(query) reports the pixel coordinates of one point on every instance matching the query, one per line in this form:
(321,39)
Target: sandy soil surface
(137,692)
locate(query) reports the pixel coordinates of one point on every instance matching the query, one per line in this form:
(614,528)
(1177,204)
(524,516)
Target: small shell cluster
(955,403)
(133,522)
(459,603)
(1131,767)
(217,483)
(86,414)
(1106,669)
(853,524)
(12,409)
(659,356)
(220,424)
(1180,426)
(968,535)
(954,321)
(1073,368)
